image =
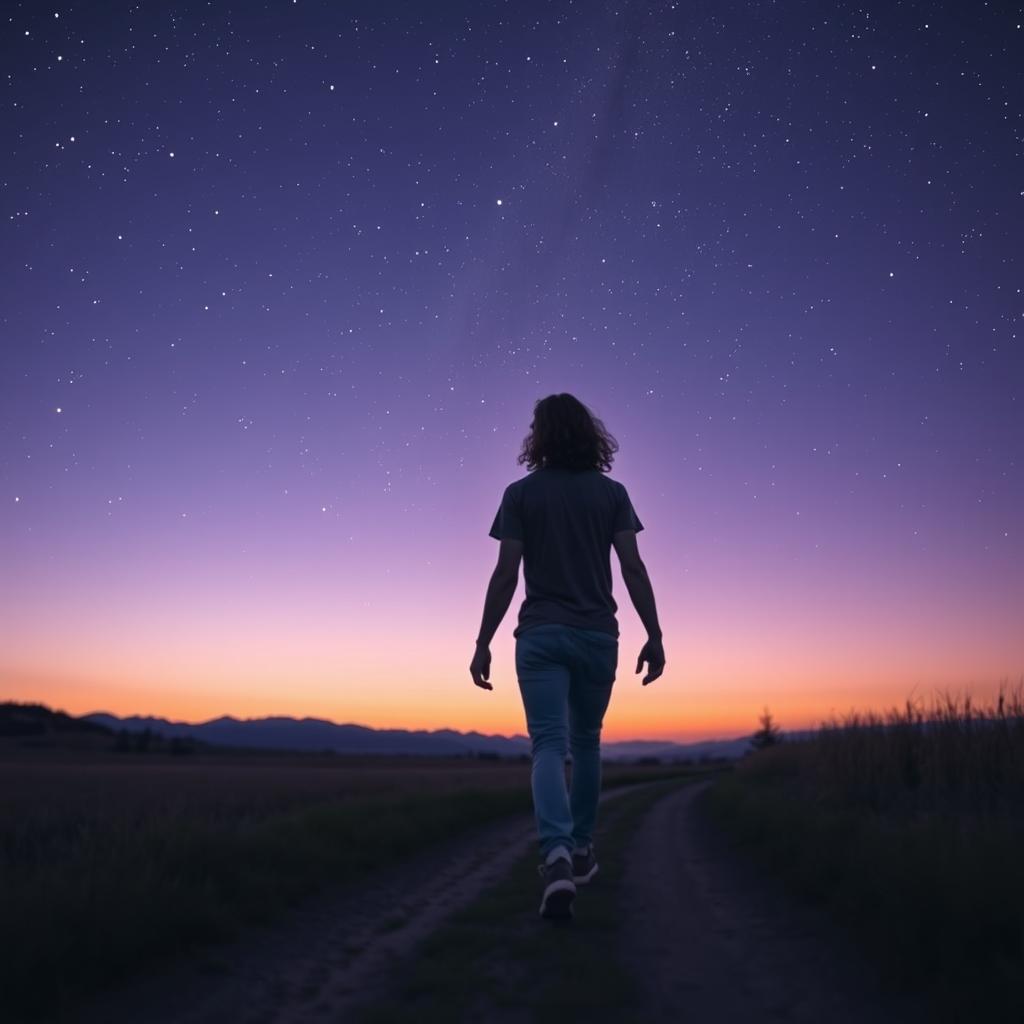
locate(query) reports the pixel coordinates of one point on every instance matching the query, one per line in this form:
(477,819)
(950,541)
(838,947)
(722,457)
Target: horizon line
(370,728)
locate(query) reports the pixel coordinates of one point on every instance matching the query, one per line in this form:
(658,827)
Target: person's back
(567,520)
(561,521)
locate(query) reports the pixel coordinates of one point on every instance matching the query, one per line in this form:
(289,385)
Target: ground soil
(333,954)
(707,935)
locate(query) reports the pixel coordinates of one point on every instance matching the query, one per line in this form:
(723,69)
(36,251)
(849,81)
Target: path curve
(710,938)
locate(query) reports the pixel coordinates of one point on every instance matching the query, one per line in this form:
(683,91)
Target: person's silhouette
(561,521)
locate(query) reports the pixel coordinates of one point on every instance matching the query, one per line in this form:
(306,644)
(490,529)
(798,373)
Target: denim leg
(544,686)
(590,691)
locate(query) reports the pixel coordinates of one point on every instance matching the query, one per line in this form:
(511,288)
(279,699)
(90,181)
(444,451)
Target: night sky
(282,282)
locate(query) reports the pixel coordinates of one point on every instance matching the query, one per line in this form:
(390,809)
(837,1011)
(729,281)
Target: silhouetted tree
(768,735)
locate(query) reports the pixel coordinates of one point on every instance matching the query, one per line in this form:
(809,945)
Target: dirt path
(708,938)
(334,954)
(712,940)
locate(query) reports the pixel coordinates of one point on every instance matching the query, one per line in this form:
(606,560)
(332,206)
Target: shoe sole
(582,879)
(557,901)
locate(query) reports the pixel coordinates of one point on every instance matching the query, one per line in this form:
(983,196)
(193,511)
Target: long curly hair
(566,434)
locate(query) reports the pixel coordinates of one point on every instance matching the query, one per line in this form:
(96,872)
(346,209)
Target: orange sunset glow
(363,634)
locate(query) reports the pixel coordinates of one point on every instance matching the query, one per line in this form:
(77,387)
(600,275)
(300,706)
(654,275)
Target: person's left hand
(480,667)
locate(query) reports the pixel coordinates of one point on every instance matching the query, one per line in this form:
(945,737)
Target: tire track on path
(333,954)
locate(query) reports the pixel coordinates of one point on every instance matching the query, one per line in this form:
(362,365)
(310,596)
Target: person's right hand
(654,654)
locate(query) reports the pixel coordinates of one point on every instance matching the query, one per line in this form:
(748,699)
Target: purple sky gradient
(281,285)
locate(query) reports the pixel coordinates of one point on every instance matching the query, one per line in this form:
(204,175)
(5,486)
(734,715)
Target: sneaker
(584,863)
(559,888)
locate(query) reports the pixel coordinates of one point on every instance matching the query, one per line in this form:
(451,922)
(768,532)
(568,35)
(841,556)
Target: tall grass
(909,826)
(951,757)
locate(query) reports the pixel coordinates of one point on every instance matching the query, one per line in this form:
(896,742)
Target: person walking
(561,521)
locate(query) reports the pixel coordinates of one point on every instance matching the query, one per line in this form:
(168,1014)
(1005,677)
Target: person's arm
(641,593)
(500,591)
(638,583)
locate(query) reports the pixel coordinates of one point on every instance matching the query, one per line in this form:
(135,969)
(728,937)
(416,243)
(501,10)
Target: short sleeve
(625,515)
(508,521)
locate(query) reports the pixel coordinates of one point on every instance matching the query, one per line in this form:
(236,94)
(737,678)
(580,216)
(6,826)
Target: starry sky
(282,282)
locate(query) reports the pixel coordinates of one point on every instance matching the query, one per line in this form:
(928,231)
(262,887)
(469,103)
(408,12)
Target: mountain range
(317,734)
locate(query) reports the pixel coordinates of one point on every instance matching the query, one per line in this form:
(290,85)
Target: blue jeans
(565,678)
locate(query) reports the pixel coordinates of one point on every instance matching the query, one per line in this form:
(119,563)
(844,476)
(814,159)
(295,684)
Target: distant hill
(39,720)
(318,734)
(667,751)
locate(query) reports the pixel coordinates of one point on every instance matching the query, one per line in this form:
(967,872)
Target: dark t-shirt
(566,520)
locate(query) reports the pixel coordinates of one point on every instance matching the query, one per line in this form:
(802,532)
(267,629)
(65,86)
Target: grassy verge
(927,885)
(498,956)
(123,901)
